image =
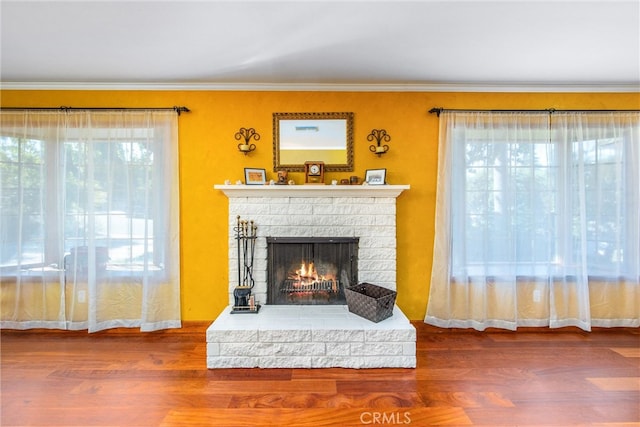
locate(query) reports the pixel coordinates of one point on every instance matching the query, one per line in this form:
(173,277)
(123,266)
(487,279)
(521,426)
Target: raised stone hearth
(286,336)
(313,336)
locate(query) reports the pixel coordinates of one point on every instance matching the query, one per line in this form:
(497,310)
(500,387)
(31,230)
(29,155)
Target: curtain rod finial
(436,110)
(181,109)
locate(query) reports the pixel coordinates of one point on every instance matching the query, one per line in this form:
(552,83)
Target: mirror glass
(301,137)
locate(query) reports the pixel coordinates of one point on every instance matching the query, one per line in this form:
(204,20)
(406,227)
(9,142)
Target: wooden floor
(535,377)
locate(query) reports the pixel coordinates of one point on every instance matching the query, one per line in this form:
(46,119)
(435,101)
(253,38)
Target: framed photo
(254,176)
(376,176)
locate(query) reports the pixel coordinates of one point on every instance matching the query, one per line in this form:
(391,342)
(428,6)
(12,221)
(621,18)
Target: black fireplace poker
(246,234)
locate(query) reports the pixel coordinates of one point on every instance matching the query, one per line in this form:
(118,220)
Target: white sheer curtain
(89,219)
(537,219)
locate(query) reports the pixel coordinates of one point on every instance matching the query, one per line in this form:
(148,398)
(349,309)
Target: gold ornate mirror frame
(325,137)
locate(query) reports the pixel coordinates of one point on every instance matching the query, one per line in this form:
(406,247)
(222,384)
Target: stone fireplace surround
(313,336)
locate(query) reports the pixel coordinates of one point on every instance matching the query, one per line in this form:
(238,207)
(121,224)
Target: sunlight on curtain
(90,220)
(536,221)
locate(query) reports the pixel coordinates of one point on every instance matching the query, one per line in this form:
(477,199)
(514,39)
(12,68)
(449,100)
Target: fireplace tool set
(246,234)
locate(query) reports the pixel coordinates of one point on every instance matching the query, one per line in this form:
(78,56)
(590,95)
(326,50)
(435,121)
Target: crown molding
(326,87)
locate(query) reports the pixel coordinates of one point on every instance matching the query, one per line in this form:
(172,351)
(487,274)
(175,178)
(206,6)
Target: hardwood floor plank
(387,374)
(25,387)
(242,374)
(507,388)
(524,357)
(355,386)
(466,399)
(98,416)
(617,384)
(130,374)
(314,417)
(472,374)
(119,402)
(562,414)
(627,352)
(135,387)
(317,400)
(544,397)
(623,424)
(252,387)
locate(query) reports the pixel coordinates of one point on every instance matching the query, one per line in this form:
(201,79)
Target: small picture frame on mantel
(254,176)
(376,176)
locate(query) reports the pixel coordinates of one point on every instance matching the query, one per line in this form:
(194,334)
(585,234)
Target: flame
(307,272)
(307,275)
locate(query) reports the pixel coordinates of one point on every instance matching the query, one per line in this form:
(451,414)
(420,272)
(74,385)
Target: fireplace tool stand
(244,300)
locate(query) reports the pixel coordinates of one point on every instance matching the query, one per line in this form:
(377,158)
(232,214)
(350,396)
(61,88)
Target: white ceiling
(350,43)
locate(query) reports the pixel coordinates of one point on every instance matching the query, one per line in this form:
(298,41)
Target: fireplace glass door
(310,271)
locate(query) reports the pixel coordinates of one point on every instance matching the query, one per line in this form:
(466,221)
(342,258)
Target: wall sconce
(247,134)
(379,135)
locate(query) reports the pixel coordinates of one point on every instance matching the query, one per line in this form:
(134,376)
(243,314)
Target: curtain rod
(177,109)
(439,110)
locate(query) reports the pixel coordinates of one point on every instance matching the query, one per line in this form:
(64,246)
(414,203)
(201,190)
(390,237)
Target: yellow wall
(208,156)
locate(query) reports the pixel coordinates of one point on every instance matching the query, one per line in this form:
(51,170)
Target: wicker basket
(372,302)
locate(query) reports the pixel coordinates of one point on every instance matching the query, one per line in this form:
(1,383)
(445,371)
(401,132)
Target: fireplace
(314,335)
(366,212)
(310,270)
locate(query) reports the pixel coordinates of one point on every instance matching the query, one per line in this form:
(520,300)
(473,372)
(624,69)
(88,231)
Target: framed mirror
(301,137)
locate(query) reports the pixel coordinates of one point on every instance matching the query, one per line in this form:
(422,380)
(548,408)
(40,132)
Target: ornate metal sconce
(247,134)
(379,135)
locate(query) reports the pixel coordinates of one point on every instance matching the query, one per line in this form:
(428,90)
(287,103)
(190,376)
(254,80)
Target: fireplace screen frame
(346,249)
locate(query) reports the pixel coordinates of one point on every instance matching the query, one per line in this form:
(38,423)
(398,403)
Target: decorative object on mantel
(282,177)
(246,234)
(379,135)
(247,134)
(314,172)
(255,176)
(375,177)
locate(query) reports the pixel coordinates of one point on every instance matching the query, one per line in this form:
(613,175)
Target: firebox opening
(310,270)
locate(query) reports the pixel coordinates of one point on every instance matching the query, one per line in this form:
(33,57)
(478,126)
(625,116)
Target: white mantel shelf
(241,190)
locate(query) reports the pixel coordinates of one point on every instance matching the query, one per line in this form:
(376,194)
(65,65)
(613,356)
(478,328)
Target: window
(89,219)
(533,199)
(606,177)
(22,173)
(61,193)
(537,215)
(112,183)
(509,201)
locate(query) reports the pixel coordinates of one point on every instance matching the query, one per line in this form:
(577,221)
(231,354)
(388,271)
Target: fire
(307,272)
(307,277)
